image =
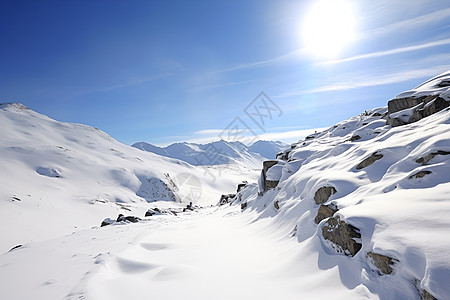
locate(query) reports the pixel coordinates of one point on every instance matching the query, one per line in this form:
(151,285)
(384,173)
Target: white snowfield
(57,178)
(392,185)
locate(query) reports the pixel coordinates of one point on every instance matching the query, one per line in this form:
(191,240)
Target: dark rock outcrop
(325,212)
(383,263)
(355,138)
(268,184)
(132,219)
(368,161)
(420,174)
(107,222)
(423,293)
(423,107)
(244,205)
(344,237)
(241,186)
(323,194)
(224,199)
(276,204)
(424,160)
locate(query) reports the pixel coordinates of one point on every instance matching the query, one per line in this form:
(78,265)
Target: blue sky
(166,71)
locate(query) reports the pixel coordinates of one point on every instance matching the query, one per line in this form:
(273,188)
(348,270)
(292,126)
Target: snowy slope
(392,185)
(56,178)
(360,182)
(219,152)
(267,149)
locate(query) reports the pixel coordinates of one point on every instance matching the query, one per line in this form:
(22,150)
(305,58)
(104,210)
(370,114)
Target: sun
(328,27)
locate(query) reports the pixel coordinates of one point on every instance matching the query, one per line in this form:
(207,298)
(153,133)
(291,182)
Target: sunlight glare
(328,27)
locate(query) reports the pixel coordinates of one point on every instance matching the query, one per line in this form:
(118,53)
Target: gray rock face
(276,204)
(224,199)
(344,237)
(325,212)
(268,184)
(423,294)
(424,107)
(323,194)
(396,105)
(241,186)
(355,138)
(424,160)
(368,161)
(420,174)
(383,263)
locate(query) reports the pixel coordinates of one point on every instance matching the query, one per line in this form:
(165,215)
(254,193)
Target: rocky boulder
(426,159)
(323,194)
(420,174)
(407,110)
(368,161)
(325,212)
(241,186)
(382,263)
(344,237)
(224,199)
(268,183)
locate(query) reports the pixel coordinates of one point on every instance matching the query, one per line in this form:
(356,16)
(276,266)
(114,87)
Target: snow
(219,152)
(59,181)
(60,177)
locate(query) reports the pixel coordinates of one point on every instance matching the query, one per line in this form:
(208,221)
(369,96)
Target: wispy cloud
(408,24)
(370,81)
(261,63)
(391,51)
(220,85)
(122,85)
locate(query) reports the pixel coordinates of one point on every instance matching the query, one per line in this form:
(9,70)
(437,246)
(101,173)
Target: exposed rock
(419,174)
(268,184)
(368,161)
(284,155)
(325,212)
(399,104)
(132,219)
(376,114)
(424,160)
(244,205)
(355,138)
(241,186)
(107,222)
(156,211)
(383,263)
(344,237)
(323,194)
(276,204)
(14,198)
(423,107)
(423,293)
(224,199)
(271,184)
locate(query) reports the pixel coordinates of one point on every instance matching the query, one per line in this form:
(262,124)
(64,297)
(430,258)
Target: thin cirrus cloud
(408,24)
(370,81)
(371,34)
(391,51)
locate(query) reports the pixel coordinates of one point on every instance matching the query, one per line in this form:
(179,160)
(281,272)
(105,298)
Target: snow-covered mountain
(217,153)
(58,177)
(358,211)
(370,196)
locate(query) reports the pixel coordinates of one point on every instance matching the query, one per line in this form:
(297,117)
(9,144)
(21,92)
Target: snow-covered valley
(358,211)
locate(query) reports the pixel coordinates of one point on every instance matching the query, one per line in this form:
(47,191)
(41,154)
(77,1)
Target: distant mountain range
(216,153)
